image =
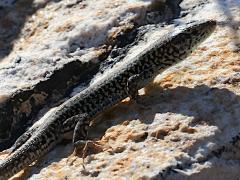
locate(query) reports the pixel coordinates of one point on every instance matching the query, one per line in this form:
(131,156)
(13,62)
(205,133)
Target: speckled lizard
(123,80)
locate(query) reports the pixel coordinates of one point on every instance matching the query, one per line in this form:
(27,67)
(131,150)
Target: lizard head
(186,38)
(200,30)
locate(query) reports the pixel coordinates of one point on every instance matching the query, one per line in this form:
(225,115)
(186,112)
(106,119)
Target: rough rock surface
(62,54)
(190,126)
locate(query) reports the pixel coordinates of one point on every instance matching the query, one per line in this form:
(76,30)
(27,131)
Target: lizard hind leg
(80,124)
(81,130)
(77,127)
(68,126)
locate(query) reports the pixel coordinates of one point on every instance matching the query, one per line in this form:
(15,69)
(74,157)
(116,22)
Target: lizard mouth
(189,36)
(200,30)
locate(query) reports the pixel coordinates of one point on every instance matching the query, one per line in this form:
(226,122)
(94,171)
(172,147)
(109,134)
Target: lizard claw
(87,144)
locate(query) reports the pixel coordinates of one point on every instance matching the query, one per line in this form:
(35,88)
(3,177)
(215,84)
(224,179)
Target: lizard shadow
(205,104)
(201,102)
(215,107)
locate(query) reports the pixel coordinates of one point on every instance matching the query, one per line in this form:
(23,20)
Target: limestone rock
(190,126)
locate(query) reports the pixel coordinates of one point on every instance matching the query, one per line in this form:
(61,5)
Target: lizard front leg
(135,83)
(80,132)
(133,86)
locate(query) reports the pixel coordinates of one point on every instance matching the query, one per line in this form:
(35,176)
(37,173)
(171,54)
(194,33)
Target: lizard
(121,81)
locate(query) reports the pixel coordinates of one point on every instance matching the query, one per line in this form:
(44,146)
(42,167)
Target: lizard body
(122,81)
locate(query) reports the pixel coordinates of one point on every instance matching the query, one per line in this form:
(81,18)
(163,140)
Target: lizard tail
(34,148)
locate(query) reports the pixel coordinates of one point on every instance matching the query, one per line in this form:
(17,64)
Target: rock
(56,68)
(19,110)
(190,128)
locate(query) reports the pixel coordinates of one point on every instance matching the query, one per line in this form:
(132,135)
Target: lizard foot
(85,148)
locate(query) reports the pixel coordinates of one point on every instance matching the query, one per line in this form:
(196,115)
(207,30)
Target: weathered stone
(190,128)
(57,67)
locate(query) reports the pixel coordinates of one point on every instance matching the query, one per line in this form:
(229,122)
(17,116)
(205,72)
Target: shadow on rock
(12,20)
(201,102)
(213,106)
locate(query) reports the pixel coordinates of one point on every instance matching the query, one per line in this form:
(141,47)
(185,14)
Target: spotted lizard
(121,81)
